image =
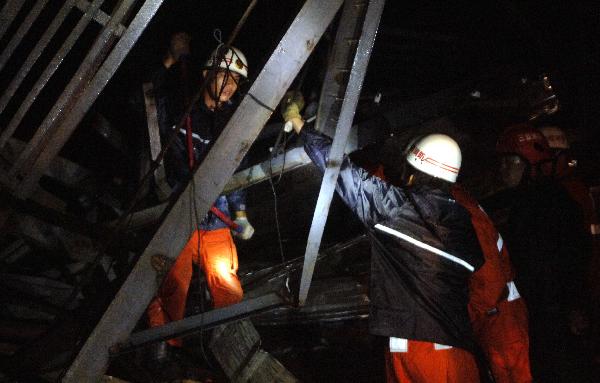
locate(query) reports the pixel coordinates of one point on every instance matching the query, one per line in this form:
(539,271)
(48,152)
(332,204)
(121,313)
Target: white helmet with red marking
(229,58)
(437,155)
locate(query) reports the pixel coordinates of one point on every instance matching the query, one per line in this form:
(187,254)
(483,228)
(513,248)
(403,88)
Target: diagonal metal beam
(8,13)
(202,321)
(210,178)
(50,69)
(22,31)
(89,10)
(339,65)
(33,56)
(100,17)
(359,69)
(52,134)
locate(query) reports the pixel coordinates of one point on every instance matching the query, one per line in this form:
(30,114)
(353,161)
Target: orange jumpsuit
(498,314)
(216,251)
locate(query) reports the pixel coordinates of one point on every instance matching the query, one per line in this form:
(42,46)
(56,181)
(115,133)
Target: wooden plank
(160,177)
(152,120)
(236,346)
(210,178)
(336,154)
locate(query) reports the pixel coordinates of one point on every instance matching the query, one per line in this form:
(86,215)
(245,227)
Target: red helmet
(525,141)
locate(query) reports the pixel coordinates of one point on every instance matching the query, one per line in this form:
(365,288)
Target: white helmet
(232,59)
(556,137)
(437,155)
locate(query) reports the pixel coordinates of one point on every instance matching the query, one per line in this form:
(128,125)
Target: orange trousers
(216,251)
(422,363)
(504,338)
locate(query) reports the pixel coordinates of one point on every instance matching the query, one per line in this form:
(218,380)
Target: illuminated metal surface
(82,90)
(359,69)
(339,66)
(22,31)
(8,13)
(50,69)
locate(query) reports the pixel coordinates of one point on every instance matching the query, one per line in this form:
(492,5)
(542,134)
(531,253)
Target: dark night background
(428,57)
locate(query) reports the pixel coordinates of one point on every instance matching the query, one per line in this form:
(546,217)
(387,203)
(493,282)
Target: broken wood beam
(236,346)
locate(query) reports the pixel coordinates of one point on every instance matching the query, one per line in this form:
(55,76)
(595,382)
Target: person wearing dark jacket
(211,245)
(424,250)
(549,249)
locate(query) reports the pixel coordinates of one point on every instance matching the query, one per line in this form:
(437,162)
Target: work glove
(245,229)
(291,105)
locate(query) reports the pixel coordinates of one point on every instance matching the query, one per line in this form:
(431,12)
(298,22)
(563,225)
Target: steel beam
(22,31)
(33,56)
(8,13)
(202,321)
(210,178)
(81,92)
(359,69)
(50,69)
(339,65)
(100,17)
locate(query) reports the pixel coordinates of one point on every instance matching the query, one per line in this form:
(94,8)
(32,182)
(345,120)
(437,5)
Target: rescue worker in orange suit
(424,250)
(548,248)
(498,313)
(211,245)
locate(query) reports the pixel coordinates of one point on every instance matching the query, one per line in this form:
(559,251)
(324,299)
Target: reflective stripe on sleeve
(513,293)
(500,243)
(425,246)
(437,346)
(398,344)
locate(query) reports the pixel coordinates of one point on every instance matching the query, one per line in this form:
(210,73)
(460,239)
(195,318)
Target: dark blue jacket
(206,128)
(424,250)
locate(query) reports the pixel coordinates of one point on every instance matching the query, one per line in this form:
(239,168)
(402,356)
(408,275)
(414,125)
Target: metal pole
(359,69)
(202,321)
